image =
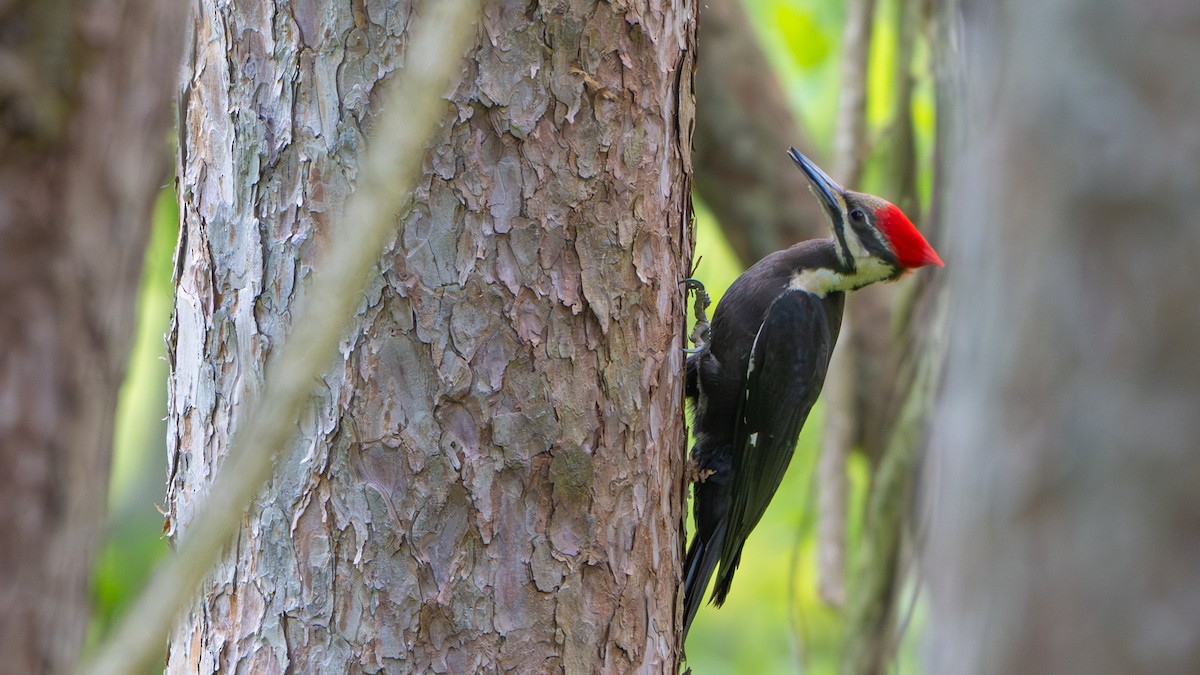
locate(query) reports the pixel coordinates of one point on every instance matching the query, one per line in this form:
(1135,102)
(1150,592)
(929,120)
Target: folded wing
(784,377)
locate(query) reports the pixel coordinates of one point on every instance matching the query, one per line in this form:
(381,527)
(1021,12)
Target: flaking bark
(489,478)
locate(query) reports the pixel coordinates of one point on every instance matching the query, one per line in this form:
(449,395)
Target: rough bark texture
(490,479)
(84,108)
(1065,536)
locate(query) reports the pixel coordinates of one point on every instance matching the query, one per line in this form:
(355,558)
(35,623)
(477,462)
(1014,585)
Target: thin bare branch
(833,486)
(838,434)
(895,402)
(389,171)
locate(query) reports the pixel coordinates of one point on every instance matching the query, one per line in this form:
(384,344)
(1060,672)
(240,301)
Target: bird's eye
(858,216)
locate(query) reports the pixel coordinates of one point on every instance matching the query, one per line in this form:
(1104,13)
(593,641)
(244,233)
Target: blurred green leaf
(807,44)
(134,542)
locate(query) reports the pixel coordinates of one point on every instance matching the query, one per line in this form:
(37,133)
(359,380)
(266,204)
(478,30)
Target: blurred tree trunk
(743,130)
(84,112)
(900,358)
(491,478)
(885,332)
(1064,486)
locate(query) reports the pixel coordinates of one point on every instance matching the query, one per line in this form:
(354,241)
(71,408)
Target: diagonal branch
(389,171)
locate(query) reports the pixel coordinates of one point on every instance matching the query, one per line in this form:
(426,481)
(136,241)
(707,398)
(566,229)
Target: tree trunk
(743,130)
(84,109)
(1066,471)
(491,478)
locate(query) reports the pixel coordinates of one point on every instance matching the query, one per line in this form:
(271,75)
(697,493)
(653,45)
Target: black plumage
(754,383)
(793,339)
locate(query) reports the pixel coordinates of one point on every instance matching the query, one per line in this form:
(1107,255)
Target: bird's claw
(701,331)
(694,473)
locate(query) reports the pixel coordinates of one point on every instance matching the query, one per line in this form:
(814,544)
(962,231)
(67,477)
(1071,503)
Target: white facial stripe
(854,243)
(846,231)
(870,270)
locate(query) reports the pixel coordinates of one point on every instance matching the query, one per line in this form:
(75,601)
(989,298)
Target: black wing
(786,371)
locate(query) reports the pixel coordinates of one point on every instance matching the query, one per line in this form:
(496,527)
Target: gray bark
(491,477)
(84,109)
(1065,479)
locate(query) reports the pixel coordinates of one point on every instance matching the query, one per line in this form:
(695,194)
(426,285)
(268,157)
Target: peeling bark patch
(506,198)
(600,259)
(508,76)
(571,474)
(571,522)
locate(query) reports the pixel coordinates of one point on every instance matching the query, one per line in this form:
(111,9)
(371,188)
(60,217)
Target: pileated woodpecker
(754,382)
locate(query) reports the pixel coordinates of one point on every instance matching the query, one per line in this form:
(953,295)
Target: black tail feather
(725,579)
(699,565)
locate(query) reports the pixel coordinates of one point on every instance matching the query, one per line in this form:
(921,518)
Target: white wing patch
(754,348)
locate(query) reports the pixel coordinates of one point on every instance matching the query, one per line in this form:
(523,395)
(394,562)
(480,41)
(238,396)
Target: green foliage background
(773,622)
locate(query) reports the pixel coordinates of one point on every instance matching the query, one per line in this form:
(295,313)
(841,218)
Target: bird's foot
(702,331)
(694,473)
